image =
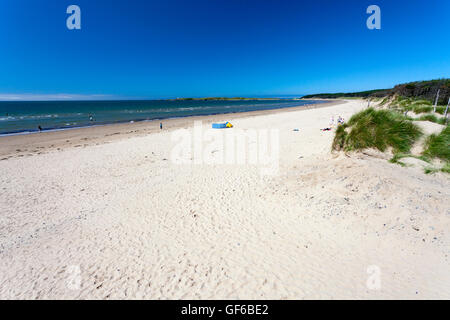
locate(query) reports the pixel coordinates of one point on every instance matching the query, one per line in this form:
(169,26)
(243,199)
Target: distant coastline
(426,90)
(230,99)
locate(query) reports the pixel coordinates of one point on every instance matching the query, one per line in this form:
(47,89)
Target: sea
(21,117)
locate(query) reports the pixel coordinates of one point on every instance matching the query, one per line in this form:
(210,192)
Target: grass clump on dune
(416,105)
(440,109)
(384,101)
(422,102)
(401,102)
(446,168)
(379,129)
(408,104)
(398,156)
(421,108)
(431,118)
(438,146)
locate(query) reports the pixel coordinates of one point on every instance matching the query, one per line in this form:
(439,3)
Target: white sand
(139,226)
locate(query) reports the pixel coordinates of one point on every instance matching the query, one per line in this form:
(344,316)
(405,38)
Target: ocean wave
(41,116)
(29,117)
(8,118)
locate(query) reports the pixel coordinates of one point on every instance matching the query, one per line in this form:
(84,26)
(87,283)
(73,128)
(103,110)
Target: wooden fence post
(436,101)
(446,111)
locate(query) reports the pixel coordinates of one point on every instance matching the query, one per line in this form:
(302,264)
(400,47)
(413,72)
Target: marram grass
(379,129)
(438,146)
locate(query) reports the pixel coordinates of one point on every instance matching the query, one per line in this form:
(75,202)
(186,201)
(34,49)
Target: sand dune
(122,220)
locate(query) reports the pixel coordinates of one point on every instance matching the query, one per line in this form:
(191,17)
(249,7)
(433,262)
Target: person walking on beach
(160,125)
(40,128)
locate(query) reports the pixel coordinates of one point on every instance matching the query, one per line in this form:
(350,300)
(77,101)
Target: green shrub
(378,129)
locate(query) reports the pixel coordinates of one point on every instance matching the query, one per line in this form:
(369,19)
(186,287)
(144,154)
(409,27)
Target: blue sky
(190,48)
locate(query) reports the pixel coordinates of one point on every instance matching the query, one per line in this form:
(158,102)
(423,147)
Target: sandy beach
(108,213)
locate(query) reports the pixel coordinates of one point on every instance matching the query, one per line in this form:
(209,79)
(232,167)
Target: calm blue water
(17,117)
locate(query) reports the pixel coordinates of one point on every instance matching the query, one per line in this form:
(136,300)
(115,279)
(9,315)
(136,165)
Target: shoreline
(23,144)
(147,119)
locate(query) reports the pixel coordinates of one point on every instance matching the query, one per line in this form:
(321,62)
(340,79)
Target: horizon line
(108,97)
